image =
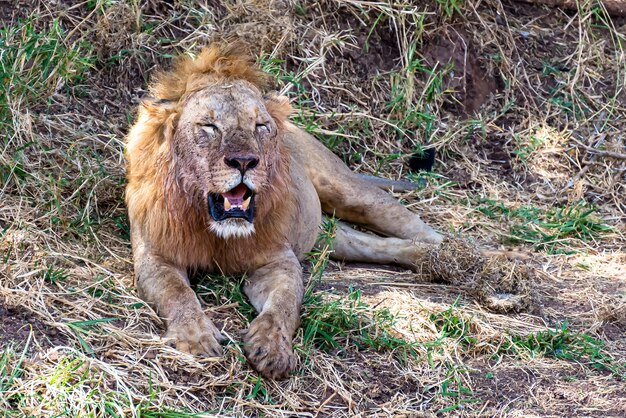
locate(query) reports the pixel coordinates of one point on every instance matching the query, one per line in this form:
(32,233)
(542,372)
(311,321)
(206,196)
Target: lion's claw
(197,336)
(268,348)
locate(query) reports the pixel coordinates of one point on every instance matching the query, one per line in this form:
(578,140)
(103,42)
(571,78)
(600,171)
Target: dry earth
(525,107)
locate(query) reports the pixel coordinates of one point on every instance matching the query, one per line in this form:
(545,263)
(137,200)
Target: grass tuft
(348,322)
(564,344)
(37,63)
(548,230)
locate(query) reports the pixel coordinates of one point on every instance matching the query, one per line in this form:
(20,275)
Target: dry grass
(528,122)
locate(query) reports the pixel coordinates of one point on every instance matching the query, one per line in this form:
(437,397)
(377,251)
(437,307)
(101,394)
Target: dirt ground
(525,107)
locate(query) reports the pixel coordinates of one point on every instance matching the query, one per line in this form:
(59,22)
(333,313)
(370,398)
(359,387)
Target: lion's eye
(210,129)
(262,128)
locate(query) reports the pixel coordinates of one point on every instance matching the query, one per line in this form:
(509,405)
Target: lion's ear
(163,115)
(278,107)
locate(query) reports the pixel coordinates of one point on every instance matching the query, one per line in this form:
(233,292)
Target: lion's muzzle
(238,202)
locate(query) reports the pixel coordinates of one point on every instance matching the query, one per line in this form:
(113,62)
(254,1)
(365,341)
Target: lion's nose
(242,163)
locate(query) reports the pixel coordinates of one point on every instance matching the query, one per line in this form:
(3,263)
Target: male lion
(220,180)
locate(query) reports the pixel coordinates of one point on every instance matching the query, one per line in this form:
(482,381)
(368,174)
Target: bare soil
(17,325)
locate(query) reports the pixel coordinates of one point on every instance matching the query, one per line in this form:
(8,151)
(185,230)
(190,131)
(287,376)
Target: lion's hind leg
(356,200)
(490,278)
(353,245)
(353,198)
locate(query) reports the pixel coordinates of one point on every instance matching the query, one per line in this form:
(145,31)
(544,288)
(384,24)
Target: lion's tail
(389,185)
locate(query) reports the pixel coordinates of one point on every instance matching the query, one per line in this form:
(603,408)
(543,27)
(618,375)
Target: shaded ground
(17,325)
(525,107)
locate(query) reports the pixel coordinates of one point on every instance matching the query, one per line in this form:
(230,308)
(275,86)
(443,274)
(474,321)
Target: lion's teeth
(246,203)
(227,204)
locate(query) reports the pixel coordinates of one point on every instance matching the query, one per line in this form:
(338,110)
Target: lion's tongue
(235,196)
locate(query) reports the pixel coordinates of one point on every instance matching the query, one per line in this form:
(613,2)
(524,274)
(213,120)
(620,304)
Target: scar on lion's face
(225,149)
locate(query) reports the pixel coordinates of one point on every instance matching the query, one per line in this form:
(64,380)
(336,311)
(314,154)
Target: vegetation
(523,106)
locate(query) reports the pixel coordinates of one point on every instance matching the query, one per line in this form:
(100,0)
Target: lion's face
(225,151)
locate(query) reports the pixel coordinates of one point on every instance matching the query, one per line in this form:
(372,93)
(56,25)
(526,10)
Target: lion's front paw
(196,335)
(268,348)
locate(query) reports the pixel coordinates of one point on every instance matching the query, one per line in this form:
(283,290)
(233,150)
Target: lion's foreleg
(276,291)
(166,288)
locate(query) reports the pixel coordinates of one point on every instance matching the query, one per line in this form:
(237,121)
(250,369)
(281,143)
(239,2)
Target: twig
(601,153)
(584,170)
(613,7)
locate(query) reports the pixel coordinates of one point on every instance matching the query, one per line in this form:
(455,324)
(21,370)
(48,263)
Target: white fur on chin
(232,228)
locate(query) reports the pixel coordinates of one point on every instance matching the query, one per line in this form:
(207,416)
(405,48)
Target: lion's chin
(232,228)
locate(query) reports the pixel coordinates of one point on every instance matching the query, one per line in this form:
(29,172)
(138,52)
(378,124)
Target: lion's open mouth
(238,202)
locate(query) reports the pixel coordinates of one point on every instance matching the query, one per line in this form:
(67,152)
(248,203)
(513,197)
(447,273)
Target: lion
(220,180)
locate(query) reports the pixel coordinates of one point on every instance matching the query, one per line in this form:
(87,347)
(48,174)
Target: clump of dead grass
(613,309)
(500,284)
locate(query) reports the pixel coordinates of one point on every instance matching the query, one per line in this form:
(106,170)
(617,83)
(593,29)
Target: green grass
(562,343)
(88,327)
(450,7)
(452,389)
(271,65)
(348,322)
(305,114)
(431,182)
(453,329)
(559,343)
(76,387)
(450,325)
(100,4)
(320,254)
(155,412)
(259,391)
(11,368)
(573,104)
(524,150)
(38,63)
(412,109)
(218,290)
(35,62)
(54,275)
(548,230)
(476,128)
(105,289)
(12,169)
